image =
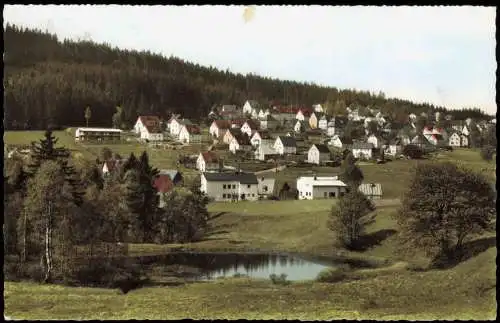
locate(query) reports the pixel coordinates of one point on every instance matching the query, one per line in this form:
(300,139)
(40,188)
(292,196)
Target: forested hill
(50,82)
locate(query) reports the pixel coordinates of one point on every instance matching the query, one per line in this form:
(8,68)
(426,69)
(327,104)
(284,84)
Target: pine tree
(351,174)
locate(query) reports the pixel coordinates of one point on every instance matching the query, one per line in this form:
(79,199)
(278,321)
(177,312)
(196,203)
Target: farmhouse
(97,134)
(362,150)
(218,127)
(318,153)
(258,136)
(143,121)
(268,122)
(240,142)
(371,191)
(249,127)
(208,161)
(230,186)
(314,187)
(152,133)
(250,106)
(190,134)
(265,151)
(285,145)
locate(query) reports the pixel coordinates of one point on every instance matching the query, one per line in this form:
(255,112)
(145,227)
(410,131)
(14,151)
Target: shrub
(279,280)
(412,151)
(333,275)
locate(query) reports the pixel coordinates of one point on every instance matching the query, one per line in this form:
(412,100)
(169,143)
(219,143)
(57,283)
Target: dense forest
(49,83)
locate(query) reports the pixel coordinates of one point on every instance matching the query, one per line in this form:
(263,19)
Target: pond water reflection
(207,266)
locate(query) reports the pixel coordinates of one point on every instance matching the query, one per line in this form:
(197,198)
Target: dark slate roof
(288,141)
(322,148)
(243,178)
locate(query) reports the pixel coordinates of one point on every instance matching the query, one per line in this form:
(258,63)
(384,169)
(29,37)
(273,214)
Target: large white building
(315,187)
(227,187)
(97,134)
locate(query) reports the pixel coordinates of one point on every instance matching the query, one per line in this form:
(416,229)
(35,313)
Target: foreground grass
(467,292)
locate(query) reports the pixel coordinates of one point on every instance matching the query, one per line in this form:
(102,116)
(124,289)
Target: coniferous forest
(50,82)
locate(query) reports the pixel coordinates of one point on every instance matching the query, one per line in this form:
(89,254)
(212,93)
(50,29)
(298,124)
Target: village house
(284,113)
(163,185)
(219,127)
(265,151)
(455,140)
(317,154)
(172,117)
(231,134)
(228,108)
(285,145)
(240,142)
(394,147)
(250,106)
(265,186)
(263,113)
(208,161)
(338,142)
(362,150)
(190,134)
(174,126)
(299,127)
(110,166)
(235,186)
(175,176)
(143,121)
(371,190)
(323,123)
(313,120)
(258,136)
(303,114)
(420,141)
(152,133)
(314,187)
(335,126)
(268,122)
(249,127)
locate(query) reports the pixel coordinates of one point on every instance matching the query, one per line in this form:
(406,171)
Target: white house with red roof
(190,134)
(206,161)
(143,121)
(303,114)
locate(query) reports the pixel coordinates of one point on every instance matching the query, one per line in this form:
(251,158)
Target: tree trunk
(48,245)
(23,251)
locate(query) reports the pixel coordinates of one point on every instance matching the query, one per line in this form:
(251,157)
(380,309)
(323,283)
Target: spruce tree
(351,174)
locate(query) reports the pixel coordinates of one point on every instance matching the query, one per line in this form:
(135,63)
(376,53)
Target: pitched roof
(149,119)
(252,124)
(163,183)
(152,128)
(242,139)
(346,141)
(243,178)
(172,173)
(288,141)
(210,157)
(264,134)
(322,148)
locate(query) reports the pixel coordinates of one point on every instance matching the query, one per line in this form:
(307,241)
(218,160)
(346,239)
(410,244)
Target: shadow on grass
(373,239)
(216,215)
(470,249)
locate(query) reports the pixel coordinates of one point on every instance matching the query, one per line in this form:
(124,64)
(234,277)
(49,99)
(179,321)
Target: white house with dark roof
(152,133)
(299,127)
(285,145)
(190,134)
(268,122)
(249,127)
(234,186)
(318,153)
(250,106)
(316,187)
(240,143)
(362,150)
(323,123)
(218,127)
(258,136)
(143,121)
(265,150)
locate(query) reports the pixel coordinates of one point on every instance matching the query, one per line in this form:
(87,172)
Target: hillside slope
(48,81)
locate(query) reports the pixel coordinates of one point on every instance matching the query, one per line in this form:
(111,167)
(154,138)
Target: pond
(208,266)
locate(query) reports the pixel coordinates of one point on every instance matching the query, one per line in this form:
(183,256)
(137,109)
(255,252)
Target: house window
(265,188)
(332,194)
(223,196)
(234,186)
(248,186)
(325,194)
(224,186)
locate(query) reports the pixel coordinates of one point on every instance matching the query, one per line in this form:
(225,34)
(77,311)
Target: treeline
(51,206)
(50,83)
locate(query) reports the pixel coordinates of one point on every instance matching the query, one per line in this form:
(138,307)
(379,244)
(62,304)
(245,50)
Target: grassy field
(464,291)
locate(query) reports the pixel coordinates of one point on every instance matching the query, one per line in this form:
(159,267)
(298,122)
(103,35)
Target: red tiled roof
(152,128)
(163,183)
(209,157)
(238,122)
(149,120)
